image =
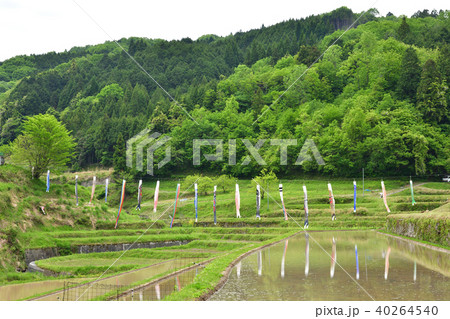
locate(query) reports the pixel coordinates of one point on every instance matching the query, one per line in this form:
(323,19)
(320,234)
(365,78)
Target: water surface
(373,266)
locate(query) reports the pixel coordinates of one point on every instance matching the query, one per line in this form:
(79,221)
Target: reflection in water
(158,292)
(284,258)
(415,271)
(238,269)
(307,255)
(259,263)
(432,274)
(386,263)
(333,258)
(164,288)
(365,264)
(357,262)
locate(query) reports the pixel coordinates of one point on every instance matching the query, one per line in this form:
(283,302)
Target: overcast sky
(39,26)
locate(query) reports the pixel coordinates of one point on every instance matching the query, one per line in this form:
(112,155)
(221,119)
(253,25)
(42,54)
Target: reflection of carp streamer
(284,258)
(307,255)
(386,264)
(178,284)
(238,269)
(306,207)
(333,258)
(415,270)
(259,263)
(332,203)
(237,199)
(158,292)
(357,262)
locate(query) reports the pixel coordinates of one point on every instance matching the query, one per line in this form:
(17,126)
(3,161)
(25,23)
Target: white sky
(39,26)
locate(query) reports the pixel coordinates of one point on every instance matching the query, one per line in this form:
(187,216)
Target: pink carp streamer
(155,200)
(332,202)
(237,198)
(282,201)
(385,197)
(122,197)
(93,189)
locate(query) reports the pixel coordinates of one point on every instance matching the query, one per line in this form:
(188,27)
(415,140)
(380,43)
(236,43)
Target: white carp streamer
(155,199)
(332,203)
(237,198)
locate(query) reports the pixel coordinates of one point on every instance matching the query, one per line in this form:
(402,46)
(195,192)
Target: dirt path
(406,187)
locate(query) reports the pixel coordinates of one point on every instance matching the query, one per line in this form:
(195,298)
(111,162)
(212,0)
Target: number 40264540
(404,310)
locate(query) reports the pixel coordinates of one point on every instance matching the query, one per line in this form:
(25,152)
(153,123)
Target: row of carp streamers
(237,199)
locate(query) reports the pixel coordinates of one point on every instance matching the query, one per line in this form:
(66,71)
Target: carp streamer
(155,199)
(196,202)
(412,192)
(332,203)
(106,190)
(76,188)
(48,181)
(175,205)
(258,202)
(122,196)
(282,202)
(139,195)
(214,205)
(237,199)
(93,190)
(385,197)
(306,207)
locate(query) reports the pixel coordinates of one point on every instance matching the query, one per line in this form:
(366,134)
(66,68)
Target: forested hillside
(378,98)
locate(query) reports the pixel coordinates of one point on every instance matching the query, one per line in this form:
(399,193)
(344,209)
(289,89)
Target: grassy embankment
(429,222)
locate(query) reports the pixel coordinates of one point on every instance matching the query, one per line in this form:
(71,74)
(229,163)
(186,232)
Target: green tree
(409,75)
(404,30)
(119,157)
(431,92)
(44,143)
(225,182)
(307,55)
(267,180)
